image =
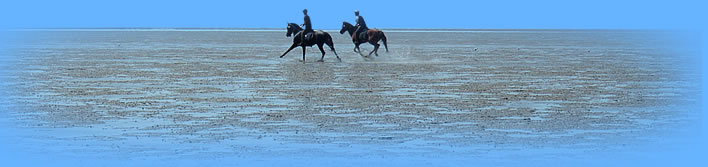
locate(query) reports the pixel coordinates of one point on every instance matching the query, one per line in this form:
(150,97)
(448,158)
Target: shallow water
(225,94)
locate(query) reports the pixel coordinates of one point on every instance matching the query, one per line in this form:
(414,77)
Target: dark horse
(320,37)
(374,36)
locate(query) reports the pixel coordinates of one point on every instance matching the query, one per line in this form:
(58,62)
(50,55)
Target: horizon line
(236,29)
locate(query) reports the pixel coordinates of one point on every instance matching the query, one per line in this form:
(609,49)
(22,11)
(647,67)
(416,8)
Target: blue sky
(327,14)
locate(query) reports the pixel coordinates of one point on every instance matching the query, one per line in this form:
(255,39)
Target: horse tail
(383,37)
(329,42)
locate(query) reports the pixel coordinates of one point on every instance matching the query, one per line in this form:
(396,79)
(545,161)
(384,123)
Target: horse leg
(323,53)
(356,46)
(286,52)
(358,50)
(376,46)
(303,53)
(331,46)
(360,53)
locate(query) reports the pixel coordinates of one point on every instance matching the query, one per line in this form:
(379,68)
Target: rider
(308,28)
(360,25)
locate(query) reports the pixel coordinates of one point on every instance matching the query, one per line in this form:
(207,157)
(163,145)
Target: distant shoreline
(329,30)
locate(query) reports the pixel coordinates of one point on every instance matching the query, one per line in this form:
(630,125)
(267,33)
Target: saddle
(308,38)
(364,35)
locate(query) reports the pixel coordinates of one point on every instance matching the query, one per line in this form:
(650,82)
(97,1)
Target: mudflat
(223,93)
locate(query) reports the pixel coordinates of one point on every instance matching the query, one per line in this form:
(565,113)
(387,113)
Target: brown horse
(374,36)
(320,38)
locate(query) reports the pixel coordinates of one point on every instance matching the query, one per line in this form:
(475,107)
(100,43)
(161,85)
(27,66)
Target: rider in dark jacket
(360,25)
(308,27)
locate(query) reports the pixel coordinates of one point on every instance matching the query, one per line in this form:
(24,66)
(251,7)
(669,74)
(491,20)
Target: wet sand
(208,94)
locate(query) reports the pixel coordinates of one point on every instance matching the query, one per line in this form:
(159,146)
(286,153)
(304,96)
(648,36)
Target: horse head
(346,27)
(292,29)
